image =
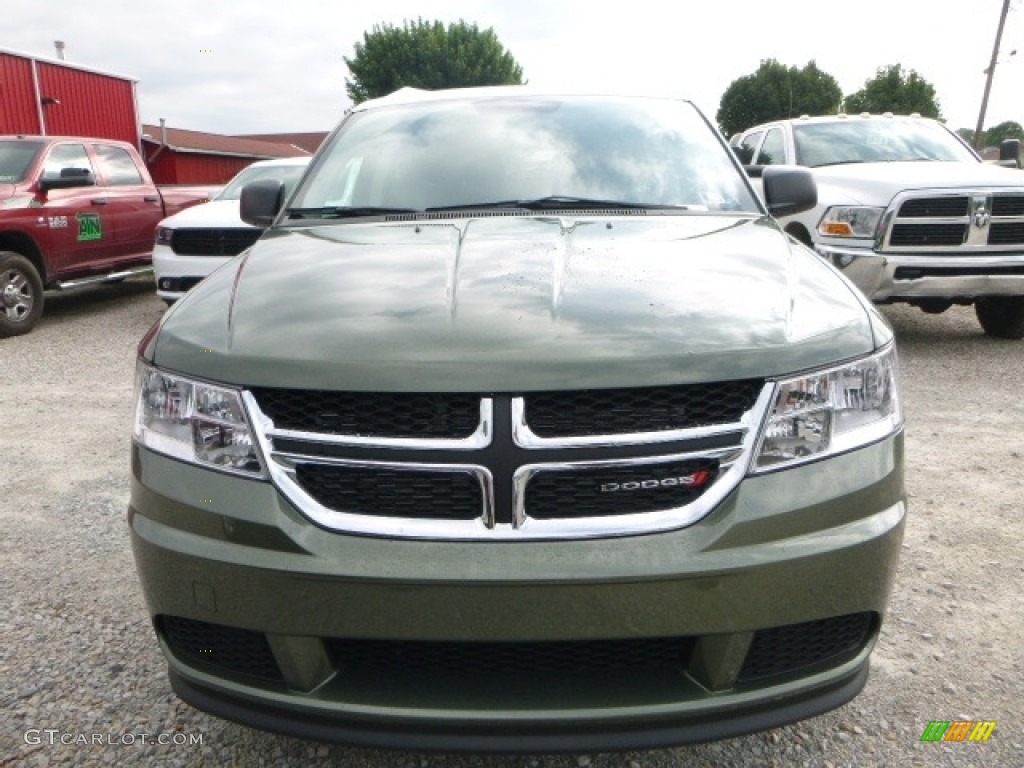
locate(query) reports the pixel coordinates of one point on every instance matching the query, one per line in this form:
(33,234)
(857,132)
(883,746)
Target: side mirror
(261,201)
(1009,153)
(69,178)
(788,189)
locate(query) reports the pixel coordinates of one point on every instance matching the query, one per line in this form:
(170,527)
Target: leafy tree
(967,134)
(893,90)
(428,55)
(775,91)
(997,134)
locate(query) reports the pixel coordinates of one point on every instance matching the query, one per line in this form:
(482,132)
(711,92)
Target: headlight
(164,235)
(832,411)
(850,221)
(194,421)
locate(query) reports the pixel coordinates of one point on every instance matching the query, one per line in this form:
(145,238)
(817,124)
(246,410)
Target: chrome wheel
(17,296)
(21,294)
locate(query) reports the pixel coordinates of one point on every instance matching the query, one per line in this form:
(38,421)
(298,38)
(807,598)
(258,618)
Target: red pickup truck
(72,211)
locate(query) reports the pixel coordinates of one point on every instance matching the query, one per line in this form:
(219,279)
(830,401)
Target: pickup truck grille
(229,241)
(957,224)
(535,465)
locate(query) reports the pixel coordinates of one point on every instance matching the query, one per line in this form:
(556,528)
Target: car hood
(515,304)
(216,213)
(879,183)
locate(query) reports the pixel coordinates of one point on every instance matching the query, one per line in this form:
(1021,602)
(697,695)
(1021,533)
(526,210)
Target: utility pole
(990,72)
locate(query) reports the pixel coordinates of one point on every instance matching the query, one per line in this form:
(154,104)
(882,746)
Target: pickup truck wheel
(21,294)
(1001,316)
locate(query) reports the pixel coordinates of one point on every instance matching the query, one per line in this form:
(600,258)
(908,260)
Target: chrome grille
(419,466)
(976,222)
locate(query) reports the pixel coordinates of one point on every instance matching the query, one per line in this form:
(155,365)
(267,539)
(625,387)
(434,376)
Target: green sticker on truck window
(89,227)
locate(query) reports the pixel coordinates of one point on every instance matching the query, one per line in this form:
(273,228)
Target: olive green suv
(524,427)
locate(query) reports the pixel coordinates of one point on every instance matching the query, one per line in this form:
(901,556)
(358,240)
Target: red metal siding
(170,167)
(18,112)
(91,104)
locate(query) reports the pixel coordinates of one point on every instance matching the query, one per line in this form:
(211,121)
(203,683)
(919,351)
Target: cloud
(258,66)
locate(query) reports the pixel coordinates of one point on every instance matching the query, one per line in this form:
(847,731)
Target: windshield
(289,174)
(15,159)
(881,140)
(485,151)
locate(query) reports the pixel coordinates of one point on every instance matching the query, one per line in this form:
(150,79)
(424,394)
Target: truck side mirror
(261,201)
(69,178)
(788,190)
(1009,153)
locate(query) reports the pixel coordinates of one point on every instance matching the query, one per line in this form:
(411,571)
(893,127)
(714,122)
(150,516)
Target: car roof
(840,118)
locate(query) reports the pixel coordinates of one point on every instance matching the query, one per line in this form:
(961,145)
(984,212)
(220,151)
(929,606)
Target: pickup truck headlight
(851,221)
(164,236)
(194,421)
(827,412)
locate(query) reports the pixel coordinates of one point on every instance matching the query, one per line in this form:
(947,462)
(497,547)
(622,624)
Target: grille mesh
(651,409)
(393,493)
(928,234)
(238,651)
(1008,205)
(388,415)
(577,493)
(796,646)
(1006,233)
(214,242)
(934,206)
(514,658)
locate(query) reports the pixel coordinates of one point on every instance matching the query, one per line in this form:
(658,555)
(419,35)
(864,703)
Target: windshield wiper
(346,212)
(838,162)
(557,203)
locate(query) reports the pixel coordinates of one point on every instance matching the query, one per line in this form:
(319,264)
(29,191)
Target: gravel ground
(82,682)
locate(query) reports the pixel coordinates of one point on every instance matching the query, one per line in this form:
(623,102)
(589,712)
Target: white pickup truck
(906,210)
(192,244)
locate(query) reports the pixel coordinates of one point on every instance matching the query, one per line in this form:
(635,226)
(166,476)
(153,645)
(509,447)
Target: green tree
(775,91)
(894,90)
(997,134)
(967,134)
(429,55)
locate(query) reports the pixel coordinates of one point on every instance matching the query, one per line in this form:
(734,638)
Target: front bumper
(903,277)
(176,274)
(228,563)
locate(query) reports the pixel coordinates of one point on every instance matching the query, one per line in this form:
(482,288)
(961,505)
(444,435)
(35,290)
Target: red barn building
(54,98)
(176,156)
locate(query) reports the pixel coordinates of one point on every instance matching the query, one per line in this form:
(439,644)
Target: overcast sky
(256,66)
